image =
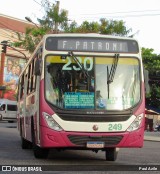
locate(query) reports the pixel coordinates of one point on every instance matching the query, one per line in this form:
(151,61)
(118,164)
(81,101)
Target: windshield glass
(124,91)
(83,85)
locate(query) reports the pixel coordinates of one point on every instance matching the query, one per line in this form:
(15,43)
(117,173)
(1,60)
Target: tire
(1,117)
(39,152)
(10,121)
(25,144)
(111,154)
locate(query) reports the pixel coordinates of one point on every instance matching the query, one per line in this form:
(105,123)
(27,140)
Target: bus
(82,92)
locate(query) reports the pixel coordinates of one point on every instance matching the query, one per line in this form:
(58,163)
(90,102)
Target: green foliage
(70,28)
(48,24)
(151,62)
(31,38)
(154,96)
(113,27)
(110,27)
(87,27)
(53,19)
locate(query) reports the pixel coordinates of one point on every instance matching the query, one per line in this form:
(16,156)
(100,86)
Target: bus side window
(146,81)
(21,90)
(29,80)
(33,77)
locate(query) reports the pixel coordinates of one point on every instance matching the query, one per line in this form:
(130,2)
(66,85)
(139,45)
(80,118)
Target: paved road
(12,154)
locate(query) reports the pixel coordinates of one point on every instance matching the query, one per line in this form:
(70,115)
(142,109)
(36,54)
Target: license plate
(95,144)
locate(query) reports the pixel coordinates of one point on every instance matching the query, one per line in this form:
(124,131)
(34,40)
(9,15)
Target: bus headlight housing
(51,122)
(136,123)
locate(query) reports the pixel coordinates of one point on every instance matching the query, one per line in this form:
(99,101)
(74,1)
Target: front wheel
(38,151)
(10,121)
(111,154)
(1,117)
(25,144)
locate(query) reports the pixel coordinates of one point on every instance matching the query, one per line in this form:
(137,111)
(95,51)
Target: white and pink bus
(82,92)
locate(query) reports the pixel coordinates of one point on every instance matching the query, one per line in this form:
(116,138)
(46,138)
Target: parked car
(8,110)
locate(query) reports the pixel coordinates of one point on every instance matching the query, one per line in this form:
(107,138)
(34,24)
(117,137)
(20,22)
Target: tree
(48,24)
(110,27)
(113,27)
(151,62)
(85,27)
(53,19)
(30,39)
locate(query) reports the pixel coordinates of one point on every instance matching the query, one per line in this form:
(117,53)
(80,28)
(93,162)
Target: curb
(149,138)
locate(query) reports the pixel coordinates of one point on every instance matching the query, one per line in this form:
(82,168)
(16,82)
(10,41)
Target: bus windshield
(83,85)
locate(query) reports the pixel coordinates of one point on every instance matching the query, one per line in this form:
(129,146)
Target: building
(13,61)
(9,27)
(152,118)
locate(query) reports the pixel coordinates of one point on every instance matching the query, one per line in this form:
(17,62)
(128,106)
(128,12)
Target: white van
(8,110)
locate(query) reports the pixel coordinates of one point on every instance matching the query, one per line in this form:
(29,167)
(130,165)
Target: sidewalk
(152,136)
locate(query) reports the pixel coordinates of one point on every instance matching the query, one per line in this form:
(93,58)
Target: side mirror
(38,67)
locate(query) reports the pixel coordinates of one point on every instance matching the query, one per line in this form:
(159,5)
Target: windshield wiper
(111,74)
(70,53)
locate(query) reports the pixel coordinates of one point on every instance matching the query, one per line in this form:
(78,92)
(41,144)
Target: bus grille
(93,118)
(82,140)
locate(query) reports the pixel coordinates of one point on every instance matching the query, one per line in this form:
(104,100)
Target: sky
(142,16)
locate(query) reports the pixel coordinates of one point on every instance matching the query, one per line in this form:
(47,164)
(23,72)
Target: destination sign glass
(91,44)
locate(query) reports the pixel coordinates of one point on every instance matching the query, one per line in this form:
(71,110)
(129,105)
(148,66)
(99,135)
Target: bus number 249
(115,127)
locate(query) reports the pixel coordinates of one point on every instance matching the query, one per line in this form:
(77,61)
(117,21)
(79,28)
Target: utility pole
(56,22)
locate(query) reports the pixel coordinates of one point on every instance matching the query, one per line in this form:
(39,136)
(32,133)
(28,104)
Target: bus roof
(94,35)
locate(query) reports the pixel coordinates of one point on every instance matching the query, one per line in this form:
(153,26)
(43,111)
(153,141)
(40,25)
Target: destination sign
(91,44)
(81,100)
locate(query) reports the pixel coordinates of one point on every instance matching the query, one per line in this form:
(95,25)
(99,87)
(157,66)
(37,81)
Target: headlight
(136,123)
(51,122)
